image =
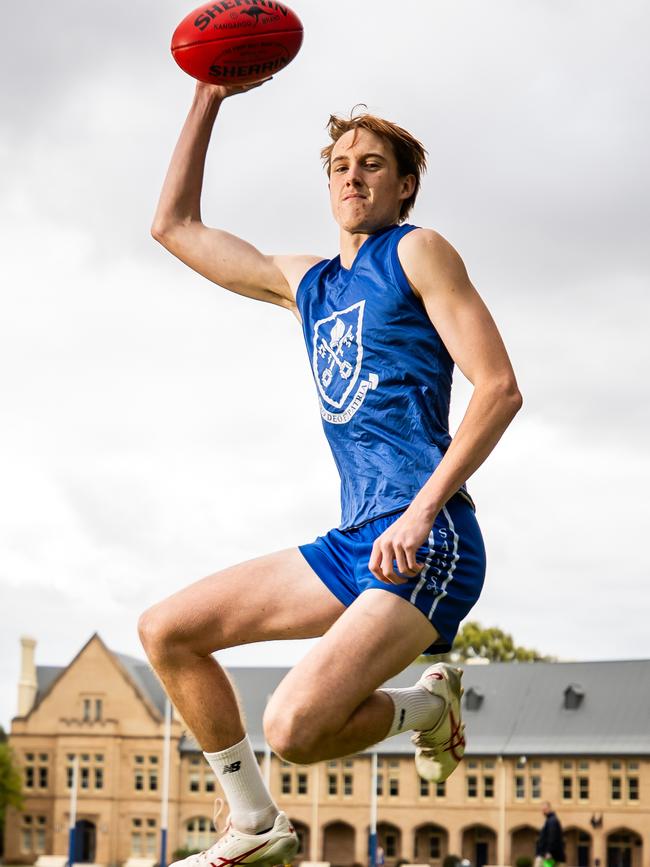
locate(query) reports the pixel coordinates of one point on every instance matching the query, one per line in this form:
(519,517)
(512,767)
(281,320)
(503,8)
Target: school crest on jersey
(336,362)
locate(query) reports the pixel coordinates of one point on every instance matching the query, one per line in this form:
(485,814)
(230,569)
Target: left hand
(398,545)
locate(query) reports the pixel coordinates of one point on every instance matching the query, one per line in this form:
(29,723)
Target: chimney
(27,685)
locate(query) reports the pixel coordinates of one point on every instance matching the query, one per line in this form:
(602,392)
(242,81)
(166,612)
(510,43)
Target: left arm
(438,277)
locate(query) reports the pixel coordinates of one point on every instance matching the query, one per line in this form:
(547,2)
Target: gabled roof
(522,712)
(137,673)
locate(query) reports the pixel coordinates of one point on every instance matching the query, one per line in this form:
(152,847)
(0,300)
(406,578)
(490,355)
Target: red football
(237,41)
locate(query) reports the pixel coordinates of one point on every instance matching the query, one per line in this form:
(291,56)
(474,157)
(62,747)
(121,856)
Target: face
(546,808)
(366,190)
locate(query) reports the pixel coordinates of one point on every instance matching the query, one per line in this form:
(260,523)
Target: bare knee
(161,634)
(295,732)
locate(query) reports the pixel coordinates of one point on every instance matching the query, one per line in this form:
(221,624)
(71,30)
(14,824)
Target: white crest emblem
(337,357)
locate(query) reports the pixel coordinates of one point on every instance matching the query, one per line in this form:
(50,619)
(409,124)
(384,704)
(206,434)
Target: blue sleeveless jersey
(383,377)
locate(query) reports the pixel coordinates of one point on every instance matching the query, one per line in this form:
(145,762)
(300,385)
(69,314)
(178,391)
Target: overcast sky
(155,428)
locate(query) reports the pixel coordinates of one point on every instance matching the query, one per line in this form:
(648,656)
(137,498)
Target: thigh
(277,596)
(376,637)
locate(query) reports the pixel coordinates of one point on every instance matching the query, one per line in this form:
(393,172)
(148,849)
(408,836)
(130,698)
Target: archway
(85,841)
(624,848)
(302,830)
(338,844)
(577,844)
(479,845)
(389,837)
(430,844)
(523,841)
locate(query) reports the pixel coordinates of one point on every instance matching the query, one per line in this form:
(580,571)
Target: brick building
(576,734)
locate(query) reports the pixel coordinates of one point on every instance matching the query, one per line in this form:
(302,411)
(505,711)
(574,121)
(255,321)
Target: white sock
(415,708)
(252,809)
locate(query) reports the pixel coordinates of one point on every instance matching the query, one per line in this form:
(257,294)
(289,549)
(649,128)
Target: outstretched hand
(222,91)
(395,550)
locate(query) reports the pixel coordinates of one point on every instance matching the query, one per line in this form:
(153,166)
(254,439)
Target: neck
(350,242)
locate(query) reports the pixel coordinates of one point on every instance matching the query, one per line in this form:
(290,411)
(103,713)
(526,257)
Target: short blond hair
(409,152)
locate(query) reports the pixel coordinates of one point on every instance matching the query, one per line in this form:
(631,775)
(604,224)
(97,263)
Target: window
(391,845)
(488,787)
(441,790)
(99,758)
(332,784)
(144,843)
(29,777)
(520,787)
(302,784)
(347,784)
(199,832)
(86,710)
(583,766)
(567,766)
(434,846)
(536,765)
(195,760)
(472,763)
(194,781)
(567,788)
(42,777)
(583,788)
(98,709)
(84,776)
(209,783)
(99,778)
(615,766)
(424,788)
(488,765)
(139,760)
(380,784)
(153,781)
(633,766)
(348,763)
(535,787)
(615,788)
(472,786)
(153,760)
(633,788)
(286,784)
(332,763)
(393,788)
(393,763)
(32,834)
(138,782)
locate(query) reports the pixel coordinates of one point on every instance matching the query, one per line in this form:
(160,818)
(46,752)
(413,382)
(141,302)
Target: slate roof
(522,711)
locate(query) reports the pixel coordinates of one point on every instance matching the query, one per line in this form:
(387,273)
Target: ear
(408,185)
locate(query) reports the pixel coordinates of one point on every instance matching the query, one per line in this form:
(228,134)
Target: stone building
(575,734)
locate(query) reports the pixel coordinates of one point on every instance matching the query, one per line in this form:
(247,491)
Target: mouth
(353,196)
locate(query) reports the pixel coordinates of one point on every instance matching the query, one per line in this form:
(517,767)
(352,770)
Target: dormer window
(473,698)
(573,696)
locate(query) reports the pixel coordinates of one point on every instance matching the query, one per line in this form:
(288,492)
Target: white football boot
(440,749)
(274,847)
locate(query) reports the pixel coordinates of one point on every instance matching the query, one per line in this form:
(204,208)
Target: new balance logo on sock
(231,769)
(402,716)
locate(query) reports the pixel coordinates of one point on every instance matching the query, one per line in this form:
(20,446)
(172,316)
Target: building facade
(574,734)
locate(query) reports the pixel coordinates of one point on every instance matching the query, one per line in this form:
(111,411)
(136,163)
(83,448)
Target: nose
(353,176)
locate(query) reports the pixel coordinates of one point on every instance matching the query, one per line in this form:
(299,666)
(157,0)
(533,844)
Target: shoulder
(429,260)
(294,268)
(426,245)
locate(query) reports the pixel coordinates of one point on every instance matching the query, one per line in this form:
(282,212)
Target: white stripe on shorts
(443,589)
(425,570)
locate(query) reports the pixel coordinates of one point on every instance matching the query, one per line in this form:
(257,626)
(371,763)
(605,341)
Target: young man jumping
(384,323)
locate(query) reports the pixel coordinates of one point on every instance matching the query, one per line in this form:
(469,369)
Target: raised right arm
(221,257)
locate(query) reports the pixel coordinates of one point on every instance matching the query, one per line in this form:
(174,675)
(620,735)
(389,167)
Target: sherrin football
(237,41)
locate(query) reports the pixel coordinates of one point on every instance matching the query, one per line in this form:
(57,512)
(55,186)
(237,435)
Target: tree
(10,782)
(474,641)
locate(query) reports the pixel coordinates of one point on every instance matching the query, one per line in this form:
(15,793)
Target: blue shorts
(444,591)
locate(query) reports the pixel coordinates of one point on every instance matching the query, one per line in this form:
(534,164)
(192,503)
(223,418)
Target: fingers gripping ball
(237,41)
